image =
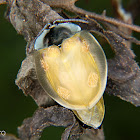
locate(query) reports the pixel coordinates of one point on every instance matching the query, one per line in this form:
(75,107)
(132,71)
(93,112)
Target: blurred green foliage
(122,119)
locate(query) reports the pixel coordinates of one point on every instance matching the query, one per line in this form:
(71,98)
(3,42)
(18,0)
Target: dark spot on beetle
(56,36)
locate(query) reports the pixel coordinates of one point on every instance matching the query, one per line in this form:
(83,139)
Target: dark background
(122,119)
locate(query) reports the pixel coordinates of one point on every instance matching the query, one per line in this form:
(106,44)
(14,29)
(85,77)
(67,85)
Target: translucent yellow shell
(94,116)
(75,75)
